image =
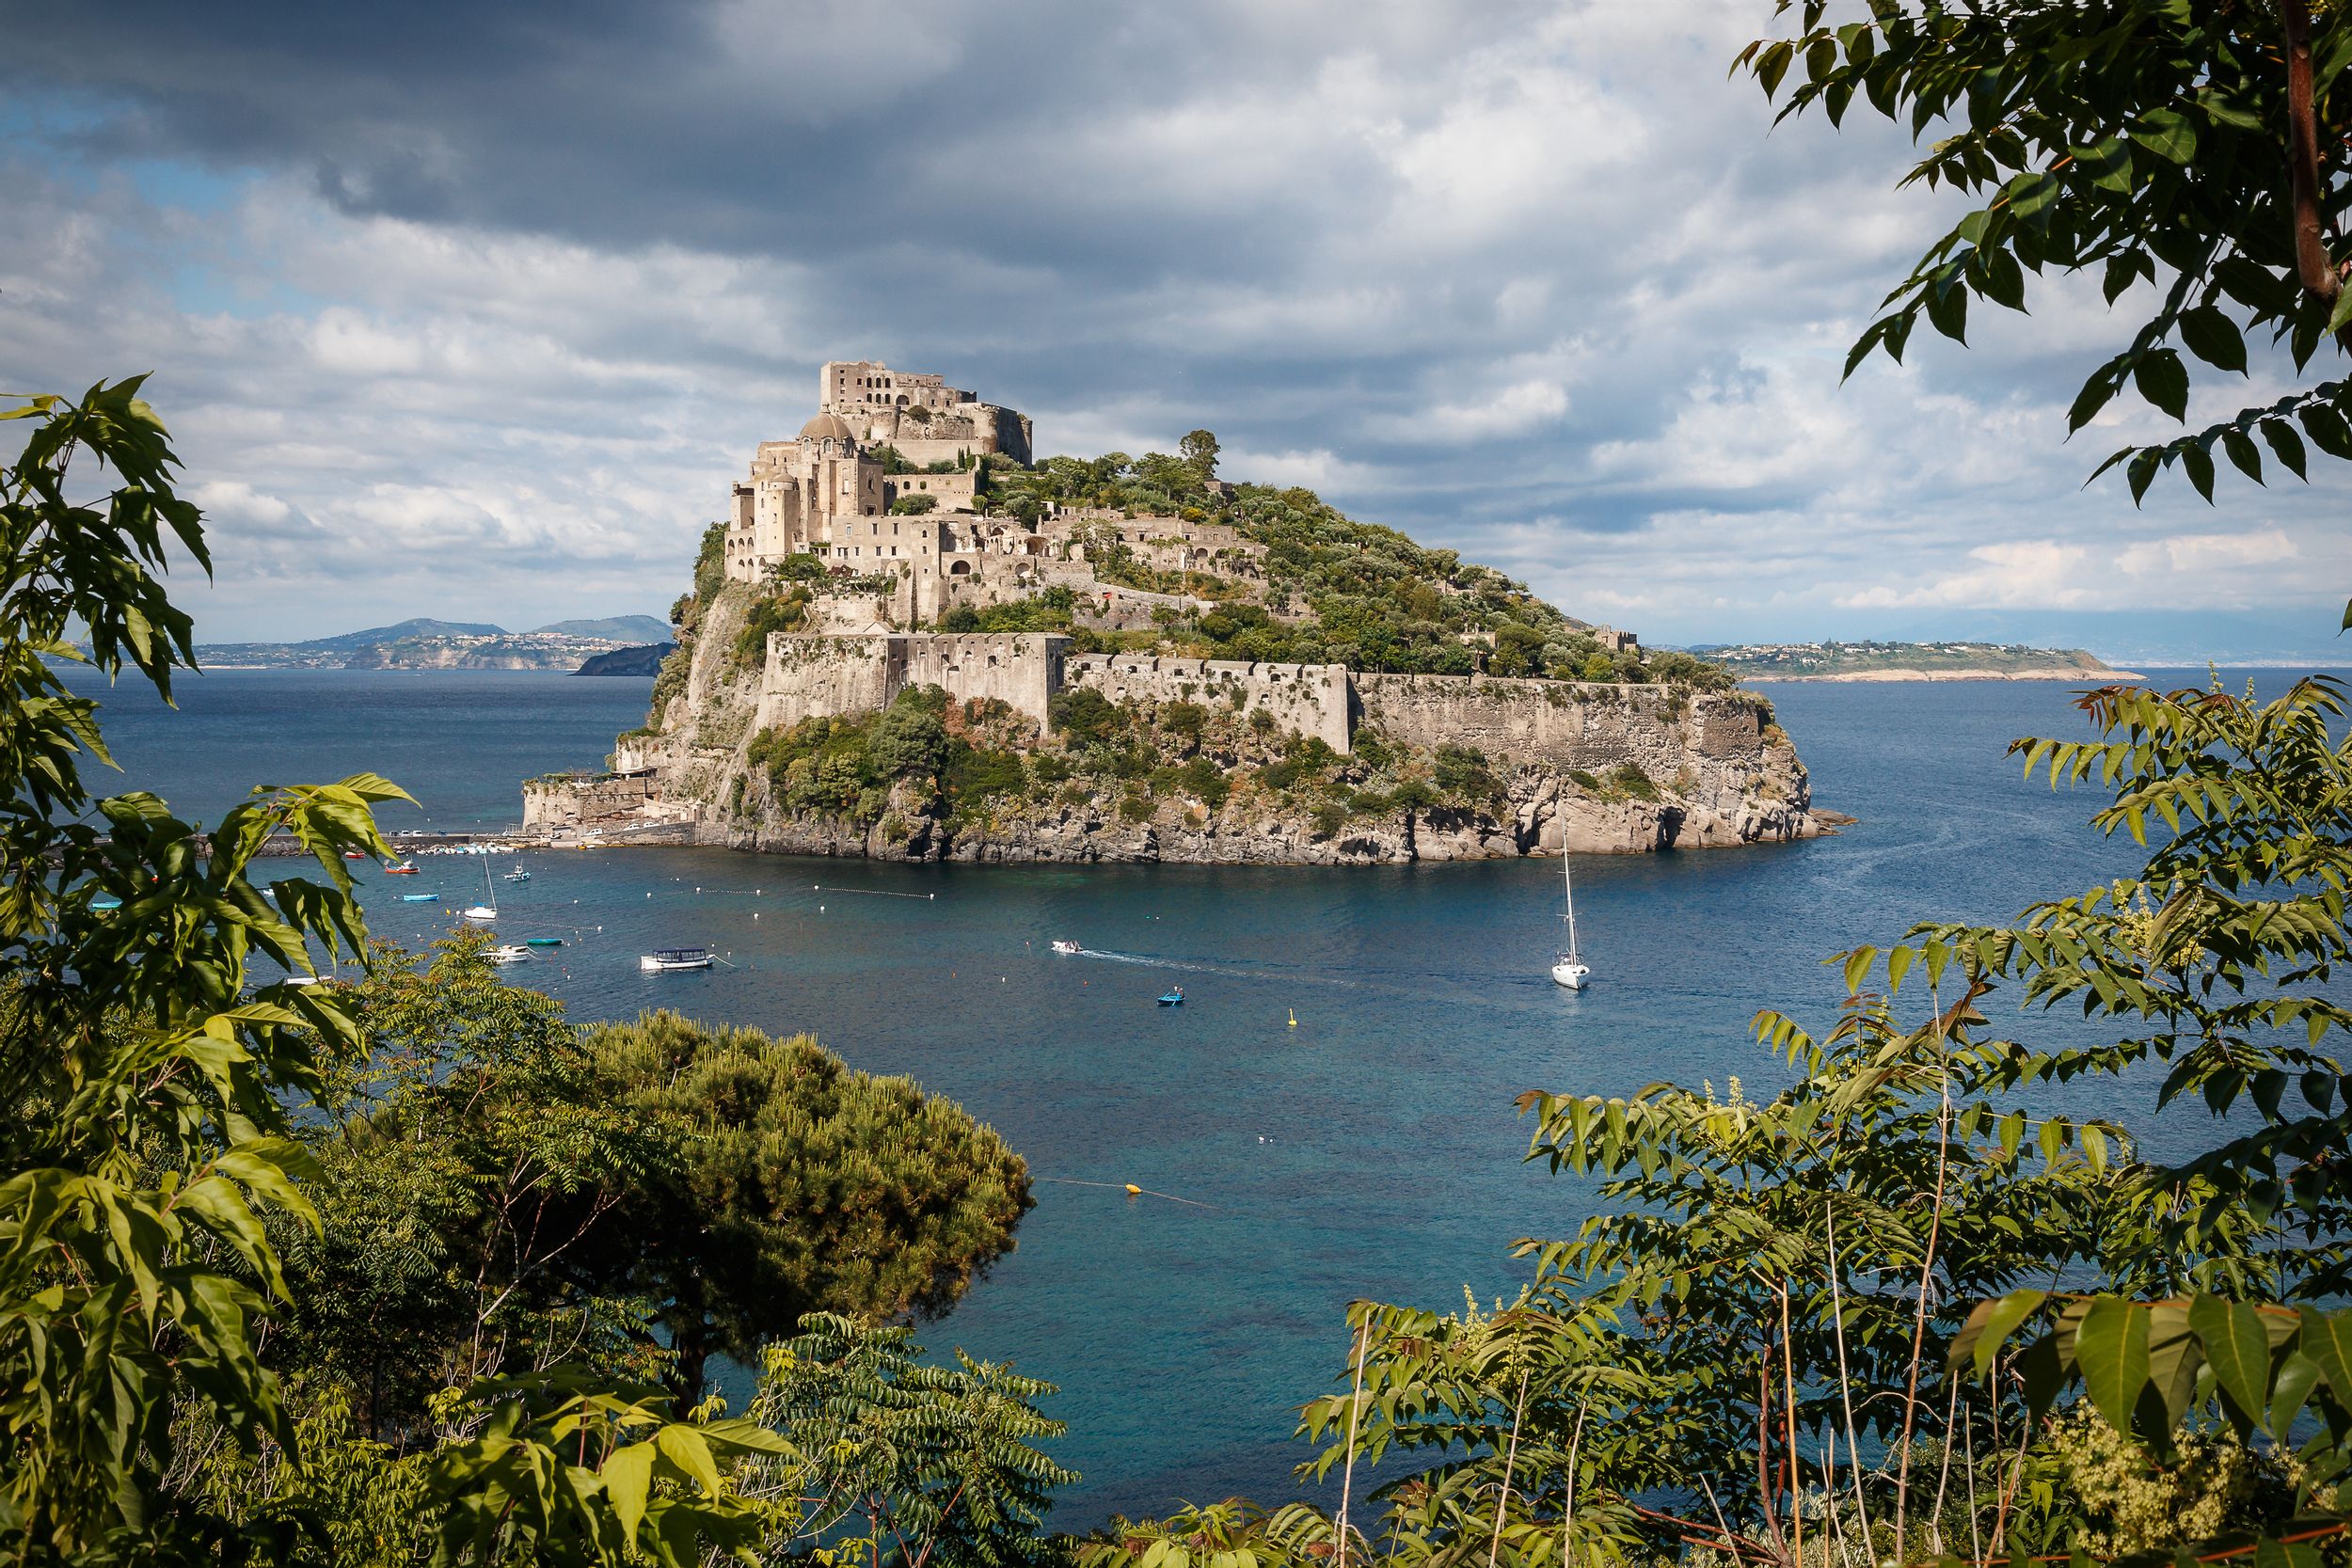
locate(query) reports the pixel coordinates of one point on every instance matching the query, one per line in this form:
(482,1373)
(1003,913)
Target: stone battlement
(1311,698)
(1572,724)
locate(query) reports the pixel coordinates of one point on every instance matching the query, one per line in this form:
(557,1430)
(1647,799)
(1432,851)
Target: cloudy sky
(473,310)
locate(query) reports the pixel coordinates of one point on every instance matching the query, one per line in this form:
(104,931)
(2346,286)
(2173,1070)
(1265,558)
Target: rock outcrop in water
(1010,747)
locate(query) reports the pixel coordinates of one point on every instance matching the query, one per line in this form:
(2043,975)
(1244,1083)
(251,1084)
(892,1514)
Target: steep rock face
(1712,773)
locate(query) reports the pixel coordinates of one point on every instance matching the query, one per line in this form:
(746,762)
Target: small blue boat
(419,897)
(1173,997)
(105,903)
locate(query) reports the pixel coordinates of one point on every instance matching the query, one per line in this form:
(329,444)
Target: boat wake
(1246,972)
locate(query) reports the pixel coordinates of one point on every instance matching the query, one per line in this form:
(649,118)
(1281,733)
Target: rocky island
(909,640)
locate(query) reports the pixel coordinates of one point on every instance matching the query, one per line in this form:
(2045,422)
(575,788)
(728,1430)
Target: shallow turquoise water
(1371,1150)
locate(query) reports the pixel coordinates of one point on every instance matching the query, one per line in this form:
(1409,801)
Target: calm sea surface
(1371,1150)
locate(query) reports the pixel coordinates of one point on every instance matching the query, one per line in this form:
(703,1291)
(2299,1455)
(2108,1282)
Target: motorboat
(518,875)
(419,897)
(400,868)
(1068,947)
(1569,969)
(1172,997)
(663,959)
(509,953)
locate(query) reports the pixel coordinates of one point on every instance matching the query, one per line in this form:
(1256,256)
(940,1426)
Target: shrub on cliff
(769,612)
(1084,714)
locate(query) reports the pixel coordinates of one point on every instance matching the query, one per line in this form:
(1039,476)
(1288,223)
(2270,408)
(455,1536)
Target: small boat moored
(543,941)
(518,875)
(509,953)
(480,911)
(419,897)
(1067,947)
(662,959)
(1172,997)
(400,868)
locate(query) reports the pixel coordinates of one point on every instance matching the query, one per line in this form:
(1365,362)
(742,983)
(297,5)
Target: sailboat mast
(1568,880)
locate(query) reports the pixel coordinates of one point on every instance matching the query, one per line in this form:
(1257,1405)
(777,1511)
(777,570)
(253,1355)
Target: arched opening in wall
(960,569)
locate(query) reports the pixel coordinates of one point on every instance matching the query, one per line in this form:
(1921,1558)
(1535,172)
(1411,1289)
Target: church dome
(827,427)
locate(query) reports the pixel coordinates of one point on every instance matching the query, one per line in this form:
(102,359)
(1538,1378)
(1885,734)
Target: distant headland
(423,644)
(1913,661)
(909,639)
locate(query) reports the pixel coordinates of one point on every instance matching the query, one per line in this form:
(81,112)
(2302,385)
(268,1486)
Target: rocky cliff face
(1536,771)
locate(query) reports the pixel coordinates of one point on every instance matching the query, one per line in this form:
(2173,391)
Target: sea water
(1370,1149)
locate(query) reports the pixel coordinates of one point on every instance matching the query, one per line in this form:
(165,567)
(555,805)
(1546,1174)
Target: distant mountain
(617,629)
(627,661)
(425,643)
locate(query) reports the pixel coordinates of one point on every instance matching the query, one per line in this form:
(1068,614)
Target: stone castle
(830,492)
(881,437)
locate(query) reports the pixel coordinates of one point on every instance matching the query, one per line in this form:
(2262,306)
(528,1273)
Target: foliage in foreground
(1809,1324)
(2189,151)
(395,1190)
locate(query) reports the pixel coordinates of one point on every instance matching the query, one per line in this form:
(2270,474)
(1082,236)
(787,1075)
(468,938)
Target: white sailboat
(1570,969)
(490,910)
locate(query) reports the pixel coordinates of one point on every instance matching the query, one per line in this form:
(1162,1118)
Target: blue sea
(1369,1149)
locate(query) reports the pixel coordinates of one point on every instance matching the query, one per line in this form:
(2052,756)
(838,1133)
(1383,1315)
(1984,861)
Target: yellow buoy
(1293,1018)
(1133,1191)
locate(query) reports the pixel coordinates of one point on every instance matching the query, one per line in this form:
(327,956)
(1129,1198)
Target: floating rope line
(1127,1187)
(872,892)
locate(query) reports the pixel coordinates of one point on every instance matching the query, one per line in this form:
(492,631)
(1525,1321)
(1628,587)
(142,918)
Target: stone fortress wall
(1557,723)
(811,676)
(1308,698)
(1527,723)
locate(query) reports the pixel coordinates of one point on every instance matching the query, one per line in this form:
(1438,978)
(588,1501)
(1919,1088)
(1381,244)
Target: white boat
(488,910)
(1570,969)
(518,875)
(1067,947)
(509,953)
(662,959)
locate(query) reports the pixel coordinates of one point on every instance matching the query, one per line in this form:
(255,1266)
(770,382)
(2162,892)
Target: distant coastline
(1756,664)
(2101,675)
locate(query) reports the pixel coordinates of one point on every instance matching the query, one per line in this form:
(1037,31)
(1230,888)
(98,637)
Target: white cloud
(1530,280)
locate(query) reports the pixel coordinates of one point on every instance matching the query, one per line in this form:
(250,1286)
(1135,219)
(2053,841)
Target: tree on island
(1200,450)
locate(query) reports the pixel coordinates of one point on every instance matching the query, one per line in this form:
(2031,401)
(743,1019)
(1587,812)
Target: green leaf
(2327,1339)
(2285,445)
(629,1481)
(2163,380)
(2238,1352)
(683,1447)
(2326,427)
(2198,462)
(2111,1351)
(2243,453)
(1990,1323)
(2169,134)
(2214,338)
